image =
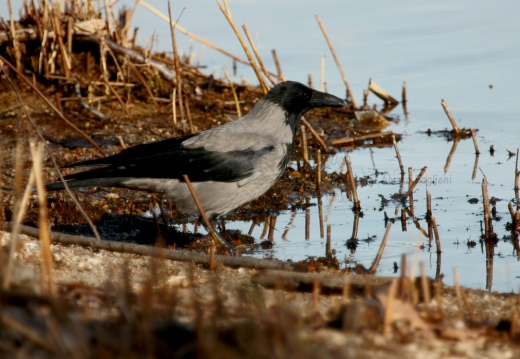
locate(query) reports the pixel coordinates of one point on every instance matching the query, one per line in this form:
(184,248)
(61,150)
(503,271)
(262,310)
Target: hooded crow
(228,165)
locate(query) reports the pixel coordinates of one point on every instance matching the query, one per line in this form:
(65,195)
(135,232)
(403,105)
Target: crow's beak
(322,99)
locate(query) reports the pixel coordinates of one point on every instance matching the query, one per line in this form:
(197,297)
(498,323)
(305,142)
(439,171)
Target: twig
(401,167)
(119,99)
(144,83)
(169,254)
(86,106)
(382,94)
(382,246)
(318,167)
(51,105)
(456,130)
(436,232)
(487,212)
(328,252)
(338,64)
(474,137)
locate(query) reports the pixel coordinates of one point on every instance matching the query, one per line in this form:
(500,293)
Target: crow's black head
(296,98)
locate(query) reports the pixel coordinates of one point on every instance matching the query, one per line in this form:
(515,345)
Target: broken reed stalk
(487,212)
(474,137)
(456,130)
(436,232)
(315,135)
(277,64)
(387,322)
(257,55)
(272,228)
(239,113)
(318,167)
(202,213)
(320,215)
(304,144)
(307,219)
(47,277)
(357,204)
(328,252)
(517,177)
(227,13)
(174,108)
(403,94)
(176,62)
(410,180)
(410,190)
(401,167)
(381,249)
(338,64)
(382,94)
(51,105)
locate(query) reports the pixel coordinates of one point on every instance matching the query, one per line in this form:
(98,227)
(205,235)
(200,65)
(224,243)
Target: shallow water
(466,52)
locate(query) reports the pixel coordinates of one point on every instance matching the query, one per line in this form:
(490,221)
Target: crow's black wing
(170,159)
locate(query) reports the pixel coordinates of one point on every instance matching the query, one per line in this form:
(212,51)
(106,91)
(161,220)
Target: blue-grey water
(466,52)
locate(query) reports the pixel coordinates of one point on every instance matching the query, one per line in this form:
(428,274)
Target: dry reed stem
(176,61)
(410,180)
(387,322)
(487,212)
(66,62)
(47,275)
(257,55)
(237,104)
(517,178)
(457,293)
(410,190)
(328,251)
(381,249)
(307,219)
(51,105)
(318,167)
(474,137)
(174,108)
(401,167)
(352,182)
(436,232)
(289,225)
(403,279)
(266,228)
(450,117)
(227,13)
(201,211)
(382,94)
(403,94)
(304,144)
(315,135)
(277,64)
(338,64)
(320,216)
